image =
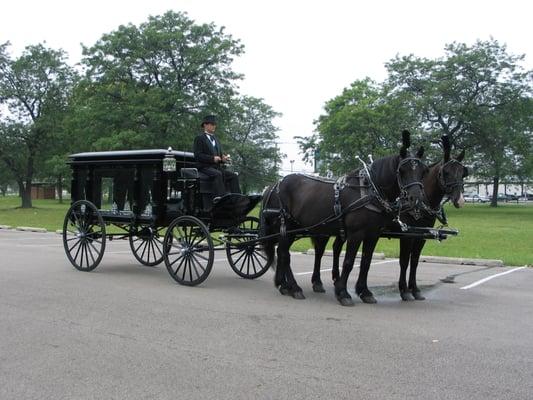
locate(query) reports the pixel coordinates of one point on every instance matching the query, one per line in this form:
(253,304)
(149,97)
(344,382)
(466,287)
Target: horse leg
(406,246)
(415,256)
(288,284)
(341,292)
(320,245)
(337,248)
(361,287)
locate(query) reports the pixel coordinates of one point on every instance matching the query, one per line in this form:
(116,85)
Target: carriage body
(159,202)
(132,186)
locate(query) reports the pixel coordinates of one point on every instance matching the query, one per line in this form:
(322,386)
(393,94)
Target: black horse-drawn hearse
(159,201)
(165,207)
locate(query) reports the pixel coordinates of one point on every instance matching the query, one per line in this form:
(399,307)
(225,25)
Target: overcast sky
(299,54)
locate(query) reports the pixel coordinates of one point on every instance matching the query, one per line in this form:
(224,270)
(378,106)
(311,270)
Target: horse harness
(447,188)
(368,192)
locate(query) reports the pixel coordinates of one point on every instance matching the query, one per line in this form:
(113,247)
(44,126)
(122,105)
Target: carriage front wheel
(84,235)
(244,253)
(188,251)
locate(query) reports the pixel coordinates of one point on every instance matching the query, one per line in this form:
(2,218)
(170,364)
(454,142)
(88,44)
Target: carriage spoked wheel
(146,244)
(245,256)
(84,235)
(188,251)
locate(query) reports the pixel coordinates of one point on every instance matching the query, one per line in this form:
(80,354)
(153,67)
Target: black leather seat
(206,181)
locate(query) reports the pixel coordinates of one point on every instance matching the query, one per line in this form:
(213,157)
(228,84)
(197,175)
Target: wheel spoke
(180,264)
(78,251)
(144,249)
(239,258)
(94,248)
(258,262)
(89,244)
(74,245)
(201,256)
(193,264)
(185,268)
(259,254)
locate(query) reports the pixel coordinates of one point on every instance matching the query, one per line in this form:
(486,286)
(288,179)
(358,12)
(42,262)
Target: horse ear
(460,156)
(447,147)
(420,152)
(406,138)
(403,152)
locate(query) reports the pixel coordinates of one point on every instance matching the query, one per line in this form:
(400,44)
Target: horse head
(451,174)
(410,173)
(401,175)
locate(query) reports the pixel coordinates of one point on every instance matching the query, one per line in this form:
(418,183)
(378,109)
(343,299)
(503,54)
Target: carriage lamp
(169,162)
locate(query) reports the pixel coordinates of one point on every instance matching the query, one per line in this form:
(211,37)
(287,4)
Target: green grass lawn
(504,233)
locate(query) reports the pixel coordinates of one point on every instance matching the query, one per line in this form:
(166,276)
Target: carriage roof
(129,156)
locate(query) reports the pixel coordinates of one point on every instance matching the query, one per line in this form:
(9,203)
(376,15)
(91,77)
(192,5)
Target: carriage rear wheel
(84,235)
(245,255)
(146,245)
(188,251)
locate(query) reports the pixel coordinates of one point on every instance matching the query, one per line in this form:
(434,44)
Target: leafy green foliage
(363,120)
(34,89)
(146,85)
(479,96)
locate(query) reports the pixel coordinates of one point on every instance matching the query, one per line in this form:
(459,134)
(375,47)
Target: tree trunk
(495,182)
(26,196)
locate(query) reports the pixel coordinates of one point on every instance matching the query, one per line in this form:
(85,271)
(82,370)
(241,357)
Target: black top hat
(209,119)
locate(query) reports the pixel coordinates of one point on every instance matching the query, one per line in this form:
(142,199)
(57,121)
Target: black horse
(315,207)
(444,179)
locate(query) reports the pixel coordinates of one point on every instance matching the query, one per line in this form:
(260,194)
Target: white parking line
(488,278)
(329,269)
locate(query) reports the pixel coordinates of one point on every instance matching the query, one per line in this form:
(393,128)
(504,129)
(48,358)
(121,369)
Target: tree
(147,85)
(469,95)
(363,120)
(250,138)
(6,180)
(35,89)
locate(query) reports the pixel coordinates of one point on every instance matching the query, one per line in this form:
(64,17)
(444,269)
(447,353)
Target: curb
(6,227)
(30,229)
(462,261)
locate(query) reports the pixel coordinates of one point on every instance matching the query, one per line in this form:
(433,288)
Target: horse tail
(266,227)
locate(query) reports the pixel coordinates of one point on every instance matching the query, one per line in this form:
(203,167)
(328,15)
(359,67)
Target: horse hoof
(368,299)
(284,291)
(298,295)
(318,288)
(406,296)
(418,296)
(346,301)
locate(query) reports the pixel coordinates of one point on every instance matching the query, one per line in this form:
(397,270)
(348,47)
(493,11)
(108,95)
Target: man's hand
(217,159)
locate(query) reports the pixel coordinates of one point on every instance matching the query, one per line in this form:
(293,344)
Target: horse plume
(406,138)
(447,147)
(406,142)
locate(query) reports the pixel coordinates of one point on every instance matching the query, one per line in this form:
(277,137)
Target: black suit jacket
(204,153)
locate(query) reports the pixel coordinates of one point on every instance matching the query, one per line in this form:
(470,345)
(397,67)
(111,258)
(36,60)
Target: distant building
(43,191)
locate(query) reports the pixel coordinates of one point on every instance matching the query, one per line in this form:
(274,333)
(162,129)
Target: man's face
(210,128)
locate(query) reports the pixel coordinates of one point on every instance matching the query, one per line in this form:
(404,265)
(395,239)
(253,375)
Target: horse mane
(383,172)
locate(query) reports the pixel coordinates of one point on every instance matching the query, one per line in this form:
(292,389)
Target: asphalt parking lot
(125,331)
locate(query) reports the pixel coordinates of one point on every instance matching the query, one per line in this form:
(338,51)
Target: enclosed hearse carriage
(160,203)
